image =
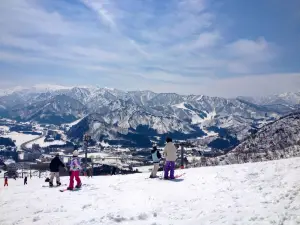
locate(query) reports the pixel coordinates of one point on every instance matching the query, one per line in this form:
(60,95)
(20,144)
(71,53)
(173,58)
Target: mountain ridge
(132,113)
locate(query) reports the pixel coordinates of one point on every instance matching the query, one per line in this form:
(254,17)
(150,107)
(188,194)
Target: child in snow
(171,156)
(5,181)
(25,180)
(75,171)
(156,156)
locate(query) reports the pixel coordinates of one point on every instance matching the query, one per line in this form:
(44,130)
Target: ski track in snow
(260,193)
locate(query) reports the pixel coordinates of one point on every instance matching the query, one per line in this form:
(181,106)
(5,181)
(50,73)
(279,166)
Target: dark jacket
(55,163)
(156,156)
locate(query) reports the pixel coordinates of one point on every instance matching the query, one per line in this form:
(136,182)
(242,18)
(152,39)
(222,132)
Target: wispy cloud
(176,41)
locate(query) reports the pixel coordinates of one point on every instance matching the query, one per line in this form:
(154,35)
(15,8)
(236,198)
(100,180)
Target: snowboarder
(54,169)
(6,181)
(75,171)
(25,180)
(156,156)
(171,156)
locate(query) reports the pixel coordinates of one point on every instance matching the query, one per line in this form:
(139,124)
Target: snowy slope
(261,193)
(20,138)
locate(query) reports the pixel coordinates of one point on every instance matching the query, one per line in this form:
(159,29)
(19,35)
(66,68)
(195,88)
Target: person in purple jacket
(75,171)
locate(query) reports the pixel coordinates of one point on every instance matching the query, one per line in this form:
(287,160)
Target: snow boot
(70,189)
(50,184)
(58,183)
(78,185)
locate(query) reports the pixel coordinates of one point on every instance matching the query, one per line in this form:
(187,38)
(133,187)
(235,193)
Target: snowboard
(162,178)
(176,177)
(54,186)
(75,189)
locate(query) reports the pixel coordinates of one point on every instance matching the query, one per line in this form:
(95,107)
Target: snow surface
(75,122)
(4,128)
(104,144)
(260,193)
(95,155)
(43,144)
(20,138)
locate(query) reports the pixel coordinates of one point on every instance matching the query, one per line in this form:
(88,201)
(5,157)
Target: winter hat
(75,153)
(168,139)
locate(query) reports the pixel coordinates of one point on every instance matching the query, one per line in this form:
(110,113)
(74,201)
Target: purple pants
(169,166)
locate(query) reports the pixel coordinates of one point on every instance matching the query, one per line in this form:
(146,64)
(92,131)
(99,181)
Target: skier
(156,156)
(171,156)
(6,181)
(25,180)
(54,169)
(113,171)
(75,171)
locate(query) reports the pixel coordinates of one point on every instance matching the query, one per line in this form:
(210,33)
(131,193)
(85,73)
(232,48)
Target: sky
(213,47)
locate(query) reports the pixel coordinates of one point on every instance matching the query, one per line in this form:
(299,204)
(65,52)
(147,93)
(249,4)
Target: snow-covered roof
(9,161)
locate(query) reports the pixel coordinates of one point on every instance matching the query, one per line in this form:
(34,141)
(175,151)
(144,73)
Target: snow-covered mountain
(276,140)
(281,103)
(136,115)
(280,135)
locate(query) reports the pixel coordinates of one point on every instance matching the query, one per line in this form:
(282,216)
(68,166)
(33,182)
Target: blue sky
(213,47)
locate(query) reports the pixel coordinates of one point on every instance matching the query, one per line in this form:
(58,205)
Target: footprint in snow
(86,206)
(143,216)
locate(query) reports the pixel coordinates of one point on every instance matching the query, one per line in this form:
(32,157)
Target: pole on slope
(182,152)
(86,139)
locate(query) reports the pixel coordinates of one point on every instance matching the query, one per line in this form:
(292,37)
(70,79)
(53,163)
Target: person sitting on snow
(156,156)
(75,171)
(171,156)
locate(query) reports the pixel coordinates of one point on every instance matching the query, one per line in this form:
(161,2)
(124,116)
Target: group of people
(74,171)
(170,155)
(6,180)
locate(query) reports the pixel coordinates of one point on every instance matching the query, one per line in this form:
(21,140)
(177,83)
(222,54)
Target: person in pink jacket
(75,171)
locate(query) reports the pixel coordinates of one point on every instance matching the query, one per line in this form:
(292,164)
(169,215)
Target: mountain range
(276,140)
(141,117)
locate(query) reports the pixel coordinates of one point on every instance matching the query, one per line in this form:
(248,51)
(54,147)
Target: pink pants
(74,174)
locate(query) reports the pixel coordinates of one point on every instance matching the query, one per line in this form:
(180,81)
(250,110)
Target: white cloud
(127,41)
(252,85)
(244,54)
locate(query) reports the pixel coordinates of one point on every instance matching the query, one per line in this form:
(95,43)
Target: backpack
(158,154)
